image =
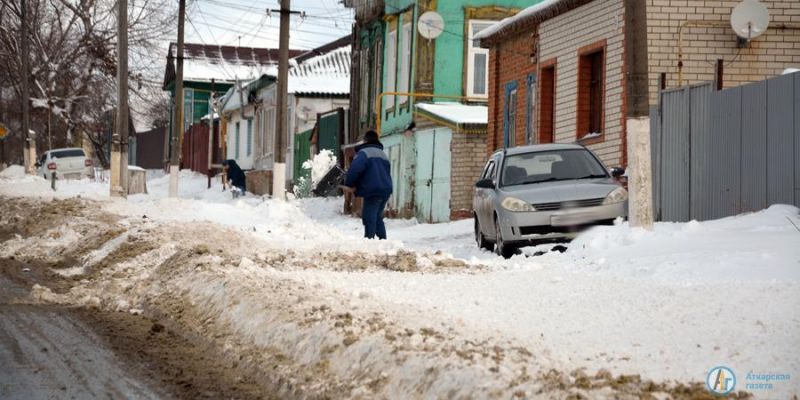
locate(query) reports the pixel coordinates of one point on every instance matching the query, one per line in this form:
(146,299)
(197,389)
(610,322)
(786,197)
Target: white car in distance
(68,163)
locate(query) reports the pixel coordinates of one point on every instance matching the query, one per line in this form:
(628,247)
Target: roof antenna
(240,40)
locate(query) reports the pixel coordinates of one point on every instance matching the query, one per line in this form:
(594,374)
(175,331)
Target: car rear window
(68,153)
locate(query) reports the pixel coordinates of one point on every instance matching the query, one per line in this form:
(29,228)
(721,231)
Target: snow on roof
(788,71)
(458,113)
(202,62)
(524,15)
(206,70)
(327,73)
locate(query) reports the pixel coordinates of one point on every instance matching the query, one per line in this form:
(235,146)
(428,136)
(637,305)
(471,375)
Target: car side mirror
(616,172)
(38,164)
(485,184)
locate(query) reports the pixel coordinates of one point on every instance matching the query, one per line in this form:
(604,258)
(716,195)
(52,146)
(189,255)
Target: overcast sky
(247,23)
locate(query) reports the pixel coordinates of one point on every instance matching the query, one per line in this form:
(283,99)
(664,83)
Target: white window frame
(405,63)
(472,51)
(237,141)
(188,108)
(391,68)
(269,130)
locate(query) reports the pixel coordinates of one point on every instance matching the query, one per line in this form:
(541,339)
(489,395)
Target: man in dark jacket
(235,174)
(370,175)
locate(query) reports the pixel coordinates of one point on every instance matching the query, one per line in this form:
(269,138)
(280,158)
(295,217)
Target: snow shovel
(329,184)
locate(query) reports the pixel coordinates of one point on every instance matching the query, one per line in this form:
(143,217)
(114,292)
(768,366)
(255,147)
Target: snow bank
(756,246)
(667,304)
(13,172)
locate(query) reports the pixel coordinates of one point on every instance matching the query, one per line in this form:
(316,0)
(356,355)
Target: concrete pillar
(640,173)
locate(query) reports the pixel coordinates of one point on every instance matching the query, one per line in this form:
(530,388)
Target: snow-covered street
(292,288)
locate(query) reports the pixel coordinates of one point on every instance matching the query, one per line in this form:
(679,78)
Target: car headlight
(617,195)
(516,205)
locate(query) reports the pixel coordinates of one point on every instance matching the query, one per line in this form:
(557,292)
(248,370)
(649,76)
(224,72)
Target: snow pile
(759,246)
(13,172)
(320,165)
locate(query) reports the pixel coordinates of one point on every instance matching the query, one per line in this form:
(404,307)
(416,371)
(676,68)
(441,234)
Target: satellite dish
(430,25)
(750,19)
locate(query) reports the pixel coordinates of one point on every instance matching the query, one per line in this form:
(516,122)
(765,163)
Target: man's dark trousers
(372,216)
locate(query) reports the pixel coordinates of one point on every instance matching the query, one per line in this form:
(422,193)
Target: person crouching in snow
(235,176)
(370,176)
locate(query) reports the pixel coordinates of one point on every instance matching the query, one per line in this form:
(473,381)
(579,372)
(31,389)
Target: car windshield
(554,165)
(67,153)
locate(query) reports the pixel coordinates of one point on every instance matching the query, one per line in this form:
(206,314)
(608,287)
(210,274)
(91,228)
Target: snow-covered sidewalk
(669,304)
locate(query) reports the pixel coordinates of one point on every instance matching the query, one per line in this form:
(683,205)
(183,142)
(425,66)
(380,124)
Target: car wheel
(500,247)
(479,238)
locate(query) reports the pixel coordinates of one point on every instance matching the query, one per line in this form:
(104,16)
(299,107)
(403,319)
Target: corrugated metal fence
(721,153)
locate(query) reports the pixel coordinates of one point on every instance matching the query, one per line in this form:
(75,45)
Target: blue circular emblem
(721,380)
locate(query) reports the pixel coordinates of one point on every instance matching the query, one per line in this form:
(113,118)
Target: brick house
(576,70)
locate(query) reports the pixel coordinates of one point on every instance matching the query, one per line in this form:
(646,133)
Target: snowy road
(48,353)
(665,305)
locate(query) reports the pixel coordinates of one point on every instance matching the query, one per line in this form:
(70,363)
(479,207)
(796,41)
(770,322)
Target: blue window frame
(530,111)
(510,115)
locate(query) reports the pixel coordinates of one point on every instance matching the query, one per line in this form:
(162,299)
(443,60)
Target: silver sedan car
(544,193)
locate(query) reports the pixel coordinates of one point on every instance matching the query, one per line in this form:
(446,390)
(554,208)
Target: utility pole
(30,139)
(177,131)
(279,166)
(119,145)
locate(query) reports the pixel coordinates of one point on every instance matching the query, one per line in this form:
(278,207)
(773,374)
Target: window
(488,172)
(188,108)
(477,62)
(249,137)
(405,63)
(269,131)
(547,95)
(590,93)
(510,115)
(530,111)
(67,153)
(391,68)
(261,133)
(363,70)
(236,145)
(555,165)
(377,77)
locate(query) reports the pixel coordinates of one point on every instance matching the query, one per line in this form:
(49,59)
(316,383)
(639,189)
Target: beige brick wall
(766,56)
(468,155)
(561,38)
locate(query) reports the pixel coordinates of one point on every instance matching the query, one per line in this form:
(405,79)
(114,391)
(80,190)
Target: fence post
(640,174)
